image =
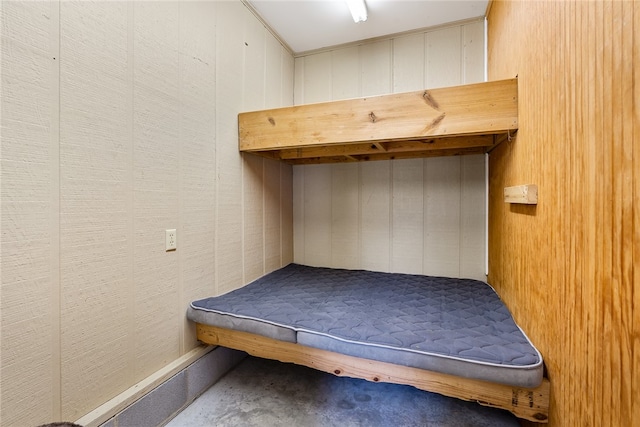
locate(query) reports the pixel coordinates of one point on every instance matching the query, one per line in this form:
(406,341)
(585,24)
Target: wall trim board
(206,364)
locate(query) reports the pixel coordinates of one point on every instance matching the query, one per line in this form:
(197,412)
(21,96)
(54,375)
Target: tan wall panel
(119,122)
(156,186)
(473,224)
(375,68)
(407,217)
(442,228)
(272,215)
(230,19)
(566,266)
(29,292)
(317,215)
(253,167)
(444,57)
(409,63)
(286,218)
(253,210)
(298,212)
(381,210)
(197,157)
(375,216)
(345,238)
(345,73)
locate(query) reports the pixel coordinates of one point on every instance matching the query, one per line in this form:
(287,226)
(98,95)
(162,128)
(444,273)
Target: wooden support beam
(368,149)
(380,146)
(478,109)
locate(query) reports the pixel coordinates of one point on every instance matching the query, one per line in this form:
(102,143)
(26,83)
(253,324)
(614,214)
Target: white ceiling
(314,24)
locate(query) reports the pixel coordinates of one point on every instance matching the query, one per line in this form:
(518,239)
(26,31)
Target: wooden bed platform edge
(525,403)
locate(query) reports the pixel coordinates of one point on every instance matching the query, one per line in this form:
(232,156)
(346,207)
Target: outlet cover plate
(170,240)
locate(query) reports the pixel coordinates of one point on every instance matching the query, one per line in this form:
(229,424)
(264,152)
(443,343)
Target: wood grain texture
(568,267)
(525,403)
(635,133)
(476,109)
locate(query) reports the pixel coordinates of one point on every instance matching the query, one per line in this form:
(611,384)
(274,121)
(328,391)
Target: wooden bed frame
(529,404)
(467,119)
(450,121)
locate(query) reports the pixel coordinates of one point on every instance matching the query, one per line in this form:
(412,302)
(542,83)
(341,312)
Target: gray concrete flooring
(267,393)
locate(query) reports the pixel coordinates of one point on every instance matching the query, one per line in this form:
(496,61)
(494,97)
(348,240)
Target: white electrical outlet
(170,241)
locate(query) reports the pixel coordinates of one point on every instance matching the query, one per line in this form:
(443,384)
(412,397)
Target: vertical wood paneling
(634,40)
(575,62)
(393,213)
(120,121)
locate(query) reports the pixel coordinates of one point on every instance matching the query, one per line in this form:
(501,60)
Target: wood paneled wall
(423,216)
(568,267)
(119,120)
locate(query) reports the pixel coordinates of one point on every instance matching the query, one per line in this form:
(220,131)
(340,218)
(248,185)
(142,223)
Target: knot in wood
(372,117)
(273,122)
(429,100)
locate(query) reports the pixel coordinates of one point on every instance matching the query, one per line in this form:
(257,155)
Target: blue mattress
(455,326)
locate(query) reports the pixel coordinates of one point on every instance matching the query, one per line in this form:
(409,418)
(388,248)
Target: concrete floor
(266,393)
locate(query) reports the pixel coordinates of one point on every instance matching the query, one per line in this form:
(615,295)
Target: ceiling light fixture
(358,10)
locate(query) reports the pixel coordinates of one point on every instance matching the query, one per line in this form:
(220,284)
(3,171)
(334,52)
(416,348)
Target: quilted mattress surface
(455,326)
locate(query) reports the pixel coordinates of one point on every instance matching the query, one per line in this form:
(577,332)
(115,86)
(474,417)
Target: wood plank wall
(119,120)
(423,216)
(569,267)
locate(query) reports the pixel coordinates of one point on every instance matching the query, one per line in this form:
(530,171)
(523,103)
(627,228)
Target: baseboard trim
(158,398)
